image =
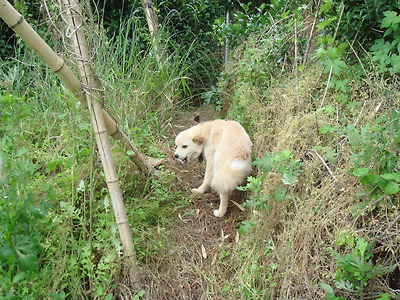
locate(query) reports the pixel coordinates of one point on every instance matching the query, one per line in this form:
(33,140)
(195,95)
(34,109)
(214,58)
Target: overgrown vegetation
(316,86)
(338,117)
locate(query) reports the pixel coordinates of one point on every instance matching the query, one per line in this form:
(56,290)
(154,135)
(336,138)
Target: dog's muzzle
(184,161)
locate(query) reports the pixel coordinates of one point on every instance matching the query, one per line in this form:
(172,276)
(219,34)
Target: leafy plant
(244,22)
(376,160)
(358,19)
(21,216)
(147,212)
(211,97)
(386,51)
(354,270)
(259,273)
(281,163)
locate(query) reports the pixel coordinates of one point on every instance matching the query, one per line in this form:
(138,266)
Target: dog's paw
(198,191)
(218,214)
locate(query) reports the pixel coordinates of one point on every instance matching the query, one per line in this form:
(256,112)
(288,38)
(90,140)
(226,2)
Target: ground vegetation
(316,86)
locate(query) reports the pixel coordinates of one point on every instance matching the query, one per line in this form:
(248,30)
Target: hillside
(315,85)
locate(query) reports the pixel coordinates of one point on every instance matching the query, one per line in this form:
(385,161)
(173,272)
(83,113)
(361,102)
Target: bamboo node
(111,181)
(100,132)
(59,69)
(148,5)
(116,131)
(21,19)
(122,222)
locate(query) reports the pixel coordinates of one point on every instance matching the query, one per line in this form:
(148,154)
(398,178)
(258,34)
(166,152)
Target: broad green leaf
(46,186)
(323,24)
(370,179)
(130,152)
(326,287)
(390,19)
(21,152)
(330,154)
(326,129)
(361,172)
(19,277)
(51,165)
(391,176)
(279,194)
(326,6)
(289,179)
(392,188)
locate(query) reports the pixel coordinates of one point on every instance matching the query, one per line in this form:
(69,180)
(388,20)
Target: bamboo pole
(152,23)
(93,98)
(151,16)
(17,23)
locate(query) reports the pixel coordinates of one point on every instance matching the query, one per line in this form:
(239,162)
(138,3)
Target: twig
(372,204)
(238,205)
(361,112)
(310,39)
(296,66)
(338,24)
(327,87)
(330,71)
(369,80)
(390,226)
(326,166)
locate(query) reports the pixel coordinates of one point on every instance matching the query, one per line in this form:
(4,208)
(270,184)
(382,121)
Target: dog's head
(189,145)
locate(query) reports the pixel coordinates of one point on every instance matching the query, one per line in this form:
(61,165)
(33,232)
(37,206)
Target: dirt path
(195,267)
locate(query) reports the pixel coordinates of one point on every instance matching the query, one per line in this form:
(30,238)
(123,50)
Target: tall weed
(375,160)
(21,216)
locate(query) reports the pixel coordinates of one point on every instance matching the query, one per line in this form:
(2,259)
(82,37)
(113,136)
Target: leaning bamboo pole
(73,16)
(17,23)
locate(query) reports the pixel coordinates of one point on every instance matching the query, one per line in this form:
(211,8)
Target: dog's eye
(184,146)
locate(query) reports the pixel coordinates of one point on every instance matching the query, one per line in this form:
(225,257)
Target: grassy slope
(327,208)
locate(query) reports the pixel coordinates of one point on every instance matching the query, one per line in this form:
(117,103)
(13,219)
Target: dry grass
(326,194)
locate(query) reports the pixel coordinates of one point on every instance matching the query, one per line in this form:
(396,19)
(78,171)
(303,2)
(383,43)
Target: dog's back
(232,157)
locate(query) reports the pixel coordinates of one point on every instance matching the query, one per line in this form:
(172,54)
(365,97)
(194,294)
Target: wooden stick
(152,23)
(296,67)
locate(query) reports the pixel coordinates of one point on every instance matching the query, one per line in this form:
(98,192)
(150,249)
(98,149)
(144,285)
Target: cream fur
(226,147)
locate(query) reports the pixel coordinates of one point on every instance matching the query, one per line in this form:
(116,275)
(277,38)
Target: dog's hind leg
(223,205)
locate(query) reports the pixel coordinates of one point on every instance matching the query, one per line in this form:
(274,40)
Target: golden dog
(226,147)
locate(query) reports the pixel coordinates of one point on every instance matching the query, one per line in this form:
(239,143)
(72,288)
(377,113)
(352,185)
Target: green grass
(59,238)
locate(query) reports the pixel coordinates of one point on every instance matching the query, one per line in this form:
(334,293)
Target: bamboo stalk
(93,98)
(152,23)
(17,23)
(151,16)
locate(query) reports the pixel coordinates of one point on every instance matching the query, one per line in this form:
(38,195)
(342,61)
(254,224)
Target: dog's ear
(197,119)
(198,139)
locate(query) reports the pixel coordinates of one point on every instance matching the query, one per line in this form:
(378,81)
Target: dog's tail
(230,176)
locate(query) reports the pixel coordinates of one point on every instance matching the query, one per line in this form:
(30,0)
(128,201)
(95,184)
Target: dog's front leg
(207,179)
(223,205)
